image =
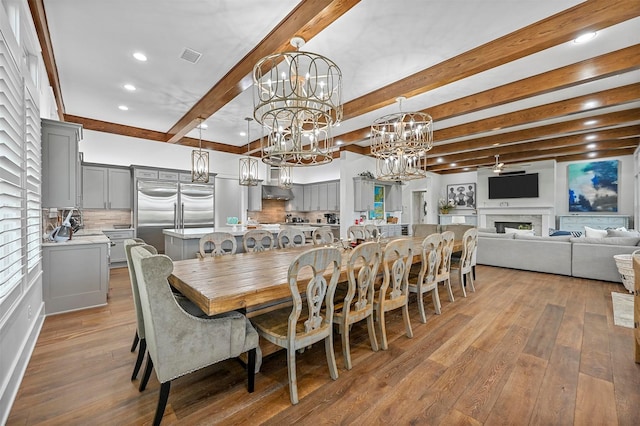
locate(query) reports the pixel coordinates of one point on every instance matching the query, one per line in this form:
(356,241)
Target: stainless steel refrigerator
(171,205)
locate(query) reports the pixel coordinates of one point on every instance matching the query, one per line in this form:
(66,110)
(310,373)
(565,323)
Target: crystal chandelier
(248,166)
(200,161)
(400,143)
(297,99)
(285,180)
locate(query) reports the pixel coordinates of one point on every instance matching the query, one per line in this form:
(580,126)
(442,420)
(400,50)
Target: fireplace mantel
(545,213)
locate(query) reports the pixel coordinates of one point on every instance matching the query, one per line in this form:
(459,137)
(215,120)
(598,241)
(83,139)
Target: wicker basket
(624,262)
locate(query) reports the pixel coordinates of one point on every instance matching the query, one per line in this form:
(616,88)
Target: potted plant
(446,205)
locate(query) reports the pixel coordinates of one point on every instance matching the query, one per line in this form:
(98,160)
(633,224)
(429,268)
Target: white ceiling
(375,43)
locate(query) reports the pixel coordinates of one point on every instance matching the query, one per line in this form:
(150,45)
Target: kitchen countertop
(76,239)
(238,231)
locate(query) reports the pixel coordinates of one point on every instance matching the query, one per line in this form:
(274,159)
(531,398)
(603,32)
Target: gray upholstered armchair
(179,343)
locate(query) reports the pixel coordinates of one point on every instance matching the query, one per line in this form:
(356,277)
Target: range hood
(271,192)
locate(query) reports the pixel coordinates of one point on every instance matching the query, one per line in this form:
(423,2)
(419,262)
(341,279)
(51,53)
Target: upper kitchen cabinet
(61,164)
(363,194)
(296,204)
(333,196)
(106,187)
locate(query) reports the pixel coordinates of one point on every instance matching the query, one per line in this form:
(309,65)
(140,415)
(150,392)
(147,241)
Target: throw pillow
(595,233)
(552,233)
(560,233)
(620,233)
(518,231)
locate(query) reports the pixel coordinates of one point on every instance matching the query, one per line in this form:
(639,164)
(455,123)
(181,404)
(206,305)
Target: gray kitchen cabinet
(333,196)
(363,194)
(296,204)
(393,197)
(255,198)
(106,187)
(61,164)
(75,276)
(308,202)
(323,196)
(117,255)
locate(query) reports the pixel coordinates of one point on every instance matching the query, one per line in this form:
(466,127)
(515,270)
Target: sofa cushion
(492,235)
(594,233)
(611,241)
(491,229)
(618,233)
(518,231)
(542,238)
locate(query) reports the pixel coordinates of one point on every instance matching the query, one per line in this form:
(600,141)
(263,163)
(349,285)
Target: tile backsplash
(273,211)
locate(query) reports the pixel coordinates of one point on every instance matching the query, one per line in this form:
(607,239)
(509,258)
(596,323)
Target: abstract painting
(593,186)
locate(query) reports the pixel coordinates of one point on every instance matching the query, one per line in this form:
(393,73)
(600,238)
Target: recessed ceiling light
(592,154)
(591,146)
(140,56)
(590,137)
(130,87)
(243,133)
(496,144)
(591,104)
(583,38)
(202,126)
(590,122)
(338,142)
(465,169)
(453,164)
(440,160)
(123,107)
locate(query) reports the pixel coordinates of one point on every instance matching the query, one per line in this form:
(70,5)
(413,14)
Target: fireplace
(540,218)
(517,225)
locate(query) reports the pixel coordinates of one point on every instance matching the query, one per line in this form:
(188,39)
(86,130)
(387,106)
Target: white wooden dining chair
(362,268)
(256,240)
(356,232)
(426,282)
(179,343)
(371,232)
(444,272)
(310,319)
(393,293)
(322,236)
(217,244)
(464,265)
(291,237)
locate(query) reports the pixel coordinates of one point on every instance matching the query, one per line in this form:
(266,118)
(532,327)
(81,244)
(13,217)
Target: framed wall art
(463,195)
(593,186)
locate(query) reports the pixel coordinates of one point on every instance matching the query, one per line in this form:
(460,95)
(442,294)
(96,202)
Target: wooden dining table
(250,281)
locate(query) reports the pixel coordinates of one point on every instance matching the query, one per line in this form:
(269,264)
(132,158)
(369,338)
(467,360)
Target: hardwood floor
(526,348)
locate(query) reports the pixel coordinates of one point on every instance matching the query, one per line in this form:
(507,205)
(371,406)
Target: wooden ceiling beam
(591,15)
(307,20)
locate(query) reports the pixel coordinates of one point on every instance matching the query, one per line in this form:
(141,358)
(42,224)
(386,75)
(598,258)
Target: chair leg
(293,382)
(147,374)
(462,283)
(251,370)
(346,349)
(447,283)
(331,356)
(135,341)
(372,333)
(162,402)
(471,278)
(383,331)
(436,300)
(405,316)
(141,353)
(473,269)
(423,315)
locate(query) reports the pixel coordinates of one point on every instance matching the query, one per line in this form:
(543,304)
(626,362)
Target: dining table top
(248,280)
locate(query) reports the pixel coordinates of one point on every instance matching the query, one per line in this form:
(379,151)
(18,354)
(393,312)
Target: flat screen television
(514,186)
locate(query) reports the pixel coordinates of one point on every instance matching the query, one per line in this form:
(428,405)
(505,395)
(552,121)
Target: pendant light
(200,161)
(248,166)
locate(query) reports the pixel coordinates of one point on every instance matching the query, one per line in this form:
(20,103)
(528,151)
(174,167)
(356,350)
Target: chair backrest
(257,240)
(356,232)
(396,260)
(291,237)
(362,268)
(128,244)
(178,342)
(220,242)
(431,255)
(316,262)
(322,235)
(445,254)
(371,232)
(469,244)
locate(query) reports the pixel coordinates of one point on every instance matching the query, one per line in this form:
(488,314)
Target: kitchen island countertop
(236,231)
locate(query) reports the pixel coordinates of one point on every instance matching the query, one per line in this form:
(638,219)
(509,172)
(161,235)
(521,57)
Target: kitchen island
(75,273)
(181,244)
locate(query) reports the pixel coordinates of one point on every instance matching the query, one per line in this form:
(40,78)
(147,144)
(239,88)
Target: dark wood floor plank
(543,337)
(80,369)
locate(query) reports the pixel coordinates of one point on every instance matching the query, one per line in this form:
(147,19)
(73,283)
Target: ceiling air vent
(190,55)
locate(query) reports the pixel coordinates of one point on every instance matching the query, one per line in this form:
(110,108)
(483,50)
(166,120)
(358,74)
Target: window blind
(33,181)
(12,165)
